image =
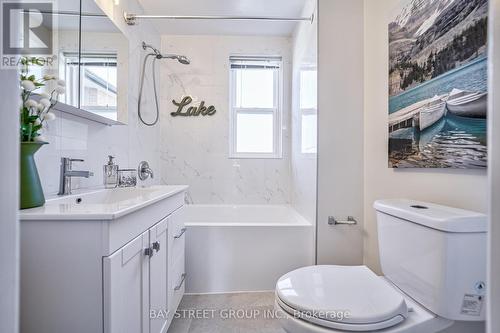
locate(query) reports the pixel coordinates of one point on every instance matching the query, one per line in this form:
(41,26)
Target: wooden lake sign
(192,111)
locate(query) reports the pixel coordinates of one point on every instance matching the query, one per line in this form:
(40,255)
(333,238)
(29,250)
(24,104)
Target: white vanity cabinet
(112,276)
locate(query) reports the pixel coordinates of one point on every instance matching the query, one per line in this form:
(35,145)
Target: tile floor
(252,313)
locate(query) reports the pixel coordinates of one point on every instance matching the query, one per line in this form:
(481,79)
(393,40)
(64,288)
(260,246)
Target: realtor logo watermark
(27,32)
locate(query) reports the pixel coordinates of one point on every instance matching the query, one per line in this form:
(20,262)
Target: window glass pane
(308,133)
(308,88)
(254,133)
(98,91)
(254,88)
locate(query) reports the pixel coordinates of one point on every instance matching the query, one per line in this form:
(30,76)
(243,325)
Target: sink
(104,204)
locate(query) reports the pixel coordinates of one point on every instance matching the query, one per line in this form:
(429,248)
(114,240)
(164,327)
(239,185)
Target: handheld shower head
(180,58)
(183,59)
(156,54)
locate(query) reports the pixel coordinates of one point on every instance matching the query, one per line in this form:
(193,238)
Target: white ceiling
(281,8)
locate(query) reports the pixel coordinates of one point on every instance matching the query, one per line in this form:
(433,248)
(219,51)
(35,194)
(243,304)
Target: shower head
(183,60)
(180,58)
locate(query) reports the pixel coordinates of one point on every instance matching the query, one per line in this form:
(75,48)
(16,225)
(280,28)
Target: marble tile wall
(75,137)
(194,150)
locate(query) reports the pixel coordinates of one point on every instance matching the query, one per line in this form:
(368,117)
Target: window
(308,111)
(98,80)
(255,109)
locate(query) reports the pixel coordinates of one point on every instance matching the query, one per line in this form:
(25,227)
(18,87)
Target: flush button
(480,286)
(419,207)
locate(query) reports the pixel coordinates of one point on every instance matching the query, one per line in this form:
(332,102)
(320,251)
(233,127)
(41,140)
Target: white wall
(460,188)
(74,137)
(194,150)
(9,202)
(340,130)
(304,166)
(494,171)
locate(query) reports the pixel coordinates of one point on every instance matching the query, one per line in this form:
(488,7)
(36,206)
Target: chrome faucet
(67,173)
(144,171)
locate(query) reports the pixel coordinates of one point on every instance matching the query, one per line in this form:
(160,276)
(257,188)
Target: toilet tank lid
(434,216)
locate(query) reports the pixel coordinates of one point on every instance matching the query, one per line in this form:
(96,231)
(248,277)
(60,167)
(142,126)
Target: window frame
(276,111)
(308,111)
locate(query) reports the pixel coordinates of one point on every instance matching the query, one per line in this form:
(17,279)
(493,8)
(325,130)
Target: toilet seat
(348,298)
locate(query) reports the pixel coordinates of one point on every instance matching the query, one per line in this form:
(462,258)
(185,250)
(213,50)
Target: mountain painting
(438,84)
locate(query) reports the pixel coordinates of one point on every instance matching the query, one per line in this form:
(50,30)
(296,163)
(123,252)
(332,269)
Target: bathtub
(244,247)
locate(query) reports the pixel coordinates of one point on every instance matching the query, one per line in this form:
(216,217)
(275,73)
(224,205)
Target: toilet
(434,262)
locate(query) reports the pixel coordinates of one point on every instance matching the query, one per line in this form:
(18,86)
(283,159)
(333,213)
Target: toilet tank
(436,255)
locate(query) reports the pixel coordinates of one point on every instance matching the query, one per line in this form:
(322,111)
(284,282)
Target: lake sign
(184,110)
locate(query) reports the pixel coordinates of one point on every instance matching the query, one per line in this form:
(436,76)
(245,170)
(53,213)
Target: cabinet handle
(156,246)
(182,281)
(183,230)
(148,251)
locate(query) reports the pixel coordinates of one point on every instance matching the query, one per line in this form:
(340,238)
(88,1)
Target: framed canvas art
(438,84)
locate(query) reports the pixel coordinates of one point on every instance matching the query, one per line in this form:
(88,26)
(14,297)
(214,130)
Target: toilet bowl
(430,277)
(326,299)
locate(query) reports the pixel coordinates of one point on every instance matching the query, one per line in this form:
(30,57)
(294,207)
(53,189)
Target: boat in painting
(467,104)
(432,112)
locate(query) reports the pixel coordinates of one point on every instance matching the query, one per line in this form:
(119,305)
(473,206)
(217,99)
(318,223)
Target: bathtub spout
(188,200)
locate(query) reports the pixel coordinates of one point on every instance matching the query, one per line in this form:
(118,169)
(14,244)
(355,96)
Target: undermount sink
(104,204)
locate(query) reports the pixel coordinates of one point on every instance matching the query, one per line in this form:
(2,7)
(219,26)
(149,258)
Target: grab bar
(182,282)
(183,230)
(350,221)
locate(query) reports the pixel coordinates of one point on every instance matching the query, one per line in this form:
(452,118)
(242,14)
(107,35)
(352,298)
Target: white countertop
(104,204)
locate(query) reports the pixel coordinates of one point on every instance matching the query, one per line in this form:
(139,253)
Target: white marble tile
(195,150)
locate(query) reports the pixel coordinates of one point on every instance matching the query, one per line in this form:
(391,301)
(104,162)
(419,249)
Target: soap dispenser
(110,173)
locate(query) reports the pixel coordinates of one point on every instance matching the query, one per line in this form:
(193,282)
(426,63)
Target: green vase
(31,188)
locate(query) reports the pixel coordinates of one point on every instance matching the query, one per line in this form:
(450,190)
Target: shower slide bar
(131,19)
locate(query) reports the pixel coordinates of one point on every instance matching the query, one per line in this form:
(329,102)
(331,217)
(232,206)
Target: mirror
(91,56)
(65,31)
(103,65)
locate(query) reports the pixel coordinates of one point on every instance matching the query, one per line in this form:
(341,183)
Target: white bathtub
(244,247)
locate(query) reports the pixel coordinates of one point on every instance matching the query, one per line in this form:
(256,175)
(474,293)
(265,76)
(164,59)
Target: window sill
(242,156)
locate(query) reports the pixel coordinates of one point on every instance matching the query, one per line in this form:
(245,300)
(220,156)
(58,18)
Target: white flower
(45,95)
(40,138)
(40,107)
(60,90)
(28,85)
(45,102)
(48,77)
(49,116)
(37,122)
(62,83)
(30,103)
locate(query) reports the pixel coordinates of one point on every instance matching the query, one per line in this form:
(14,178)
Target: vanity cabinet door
(126,288)
(176,267)
(158,295)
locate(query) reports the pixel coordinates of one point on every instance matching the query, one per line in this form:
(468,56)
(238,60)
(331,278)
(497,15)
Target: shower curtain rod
(131,19)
